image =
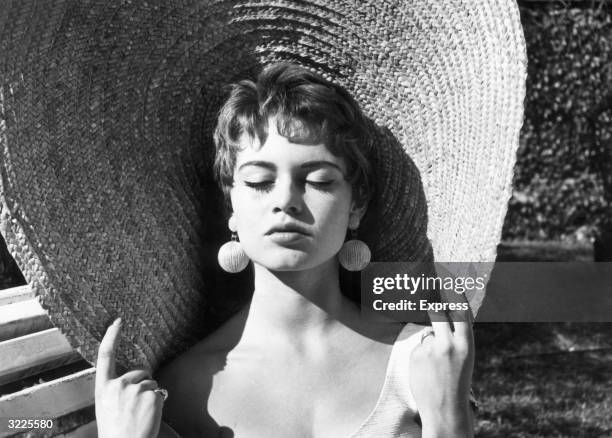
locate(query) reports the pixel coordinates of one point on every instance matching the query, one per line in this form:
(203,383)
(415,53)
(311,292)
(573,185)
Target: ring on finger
(163,392)
(426,333)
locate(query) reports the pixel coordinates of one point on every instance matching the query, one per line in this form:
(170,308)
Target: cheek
(334,217)
(339,215)
(245,210)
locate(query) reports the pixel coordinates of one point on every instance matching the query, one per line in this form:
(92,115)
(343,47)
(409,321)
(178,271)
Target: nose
(288,197)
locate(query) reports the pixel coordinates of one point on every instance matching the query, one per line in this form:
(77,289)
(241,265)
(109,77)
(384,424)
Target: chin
(287,264)
(288,260)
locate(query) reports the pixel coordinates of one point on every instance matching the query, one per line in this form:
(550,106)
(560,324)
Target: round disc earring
(354,254)
(231,256)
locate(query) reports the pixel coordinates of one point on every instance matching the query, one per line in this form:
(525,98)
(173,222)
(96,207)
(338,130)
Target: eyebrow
(265,164)
(320,163)
(307,165)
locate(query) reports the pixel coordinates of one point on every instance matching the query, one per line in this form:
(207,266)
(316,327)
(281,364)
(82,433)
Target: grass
(547,379)
(543,380)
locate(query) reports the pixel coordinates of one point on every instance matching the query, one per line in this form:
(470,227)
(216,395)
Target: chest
(279,395)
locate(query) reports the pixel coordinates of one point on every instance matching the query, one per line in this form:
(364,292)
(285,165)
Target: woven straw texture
(106,114)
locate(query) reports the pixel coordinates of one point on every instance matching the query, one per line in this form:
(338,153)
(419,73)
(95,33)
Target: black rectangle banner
(496,292)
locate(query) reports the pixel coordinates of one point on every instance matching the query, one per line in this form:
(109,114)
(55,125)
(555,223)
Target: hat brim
(108,203)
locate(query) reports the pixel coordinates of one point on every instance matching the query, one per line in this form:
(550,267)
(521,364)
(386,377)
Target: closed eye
(263,186)
(260,186)
(320,184)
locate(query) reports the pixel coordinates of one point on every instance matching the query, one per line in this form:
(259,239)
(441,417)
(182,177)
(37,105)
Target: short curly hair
(308,109)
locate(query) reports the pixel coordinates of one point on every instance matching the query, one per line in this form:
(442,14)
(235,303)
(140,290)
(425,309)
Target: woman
(299,360)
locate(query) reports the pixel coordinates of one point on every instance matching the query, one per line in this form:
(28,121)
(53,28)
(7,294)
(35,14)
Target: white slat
(16,294)
(32,351)
(22,318)
(51,399)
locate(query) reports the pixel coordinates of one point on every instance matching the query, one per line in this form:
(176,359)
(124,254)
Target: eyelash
(265,186)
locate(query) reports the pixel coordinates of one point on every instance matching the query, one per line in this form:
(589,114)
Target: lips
(287,229)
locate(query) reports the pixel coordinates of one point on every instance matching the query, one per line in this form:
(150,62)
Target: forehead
(280,152)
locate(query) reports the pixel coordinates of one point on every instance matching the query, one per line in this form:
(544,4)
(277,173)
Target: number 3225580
(38,423)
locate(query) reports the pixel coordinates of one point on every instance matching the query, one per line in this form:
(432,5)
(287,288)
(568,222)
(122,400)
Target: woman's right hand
(126,406)
(441,368)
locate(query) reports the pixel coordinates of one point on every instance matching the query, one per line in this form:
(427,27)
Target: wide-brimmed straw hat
(106,112)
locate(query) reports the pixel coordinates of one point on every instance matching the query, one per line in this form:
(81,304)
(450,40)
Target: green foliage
(562,185)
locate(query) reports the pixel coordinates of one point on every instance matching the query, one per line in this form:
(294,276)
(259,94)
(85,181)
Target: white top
(395,412)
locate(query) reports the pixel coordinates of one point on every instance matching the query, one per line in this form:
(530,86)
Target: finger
(462,311)
(464,332)
(159,403)
(105,364)
(427,336)
(147,385)
(441,329)
(135,376)
(457,305)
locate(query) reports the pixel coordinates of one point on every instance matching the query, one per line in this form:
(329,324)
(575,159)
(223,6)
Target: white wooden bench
(31,347)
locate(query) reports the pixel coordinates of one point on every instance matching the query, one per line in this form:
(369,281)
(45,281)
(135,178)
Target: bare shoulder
(188,379)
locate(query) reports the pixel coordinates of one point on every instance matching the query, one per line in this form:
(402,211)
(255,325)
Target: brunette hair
(307,108)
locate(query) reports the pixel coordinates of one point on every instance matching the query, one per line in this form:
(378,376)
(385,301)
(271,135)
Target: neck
(297,303)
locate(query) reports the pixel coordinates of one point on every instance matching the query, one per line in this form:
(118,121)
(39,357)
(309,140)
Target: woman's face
(291,202)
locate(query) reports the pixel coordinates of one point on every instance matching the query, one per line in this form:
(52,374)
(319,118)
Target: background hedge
(563,175)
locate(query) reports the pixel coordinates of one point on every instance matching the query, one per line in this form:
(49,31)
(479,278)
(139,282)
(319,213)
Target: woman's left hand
(126,406)
(441,376)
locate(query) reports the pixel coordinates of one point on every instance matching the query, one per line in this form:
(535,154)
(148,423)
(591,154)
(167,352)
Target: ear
(356,214)
(231,224)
